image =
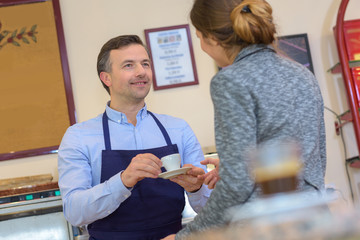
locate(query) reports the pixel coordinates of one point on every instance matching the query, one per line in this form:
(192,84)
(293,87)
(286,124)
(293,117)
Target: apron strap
(164,132)
(106,131)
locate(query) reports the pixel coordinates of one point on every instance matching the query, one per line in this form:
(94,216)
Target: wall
(89,23)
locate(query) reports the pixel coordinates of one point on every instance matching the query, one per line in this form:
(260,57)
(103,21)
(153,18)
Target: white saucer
(174,173)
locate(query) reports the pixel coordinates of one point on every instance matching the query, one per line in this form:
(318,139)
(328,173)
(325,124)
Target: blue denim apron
(154,208)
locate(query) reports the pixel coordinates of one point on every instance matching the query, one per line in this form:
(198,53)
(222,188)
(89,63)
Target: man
(109,165)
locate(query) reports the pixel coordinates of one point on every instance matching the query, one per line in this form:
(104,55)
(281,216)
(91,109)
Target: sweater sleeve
(235,130)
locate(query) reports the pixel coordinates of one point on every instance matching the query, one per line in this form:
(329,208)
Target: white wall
(89,23)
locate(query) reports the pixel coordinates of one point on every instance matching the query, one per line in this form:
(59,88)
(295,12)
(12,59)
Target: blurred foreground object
(289,216)
(276,166)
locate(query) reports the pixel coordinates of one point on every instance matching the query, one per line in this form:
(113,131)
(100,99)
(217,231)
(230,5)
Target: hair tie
(246,9)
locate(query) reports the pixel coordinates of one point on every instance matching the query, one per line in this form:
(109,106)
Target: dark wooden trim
(28,153)
(64,62)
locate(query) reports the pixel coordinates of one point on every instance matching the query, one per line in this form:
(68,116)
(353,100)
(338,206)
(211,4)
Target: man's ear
(105,78)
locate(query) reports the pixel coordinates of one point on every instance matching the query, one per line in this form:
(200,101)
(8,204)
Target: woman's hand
(211,177)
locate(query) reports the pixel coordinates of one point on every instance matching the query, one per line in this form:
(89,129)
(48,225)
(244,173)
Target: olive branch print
(14,37)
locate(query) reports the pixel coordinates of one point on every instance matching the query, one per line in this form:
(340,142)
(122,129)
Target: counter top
(29,189)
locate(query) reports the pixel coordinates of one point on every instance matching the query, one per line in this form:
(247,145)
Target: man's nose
(140,70)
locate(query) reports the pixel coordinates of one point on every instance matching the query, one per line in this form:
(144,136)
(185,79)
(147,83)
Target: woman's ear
(213,41)
(105,78)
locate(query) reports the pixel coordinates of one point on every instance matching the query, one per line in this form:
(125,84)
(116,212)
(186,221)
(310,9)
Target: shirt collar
(120,117)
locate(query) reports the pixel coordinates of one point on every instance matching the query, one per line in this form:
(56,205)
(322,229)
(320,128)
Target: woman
(258,96)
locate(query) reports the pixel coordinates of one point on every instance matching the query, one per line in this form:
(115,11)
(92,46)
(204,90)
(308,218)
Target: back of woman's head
(234,23)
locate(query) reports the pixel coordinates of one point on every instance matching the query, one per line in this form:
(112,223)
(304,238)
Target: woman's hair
(103,60)
(235,24)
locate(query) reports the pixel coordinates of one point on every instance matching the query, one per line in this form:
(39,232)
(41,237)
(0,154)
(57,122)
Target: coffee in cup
(277,167)
(282,177)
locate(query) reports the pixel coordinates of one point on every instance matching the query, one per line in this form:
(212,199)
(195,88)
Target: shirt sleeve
(84,203)
(198,199)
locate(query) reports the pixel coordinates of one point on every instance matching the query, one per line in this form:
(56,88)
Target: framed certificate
(172,57)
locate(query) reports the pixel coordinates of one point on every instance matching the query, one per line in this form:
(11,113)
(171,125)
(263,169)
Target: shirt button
(109,212)
(126,195)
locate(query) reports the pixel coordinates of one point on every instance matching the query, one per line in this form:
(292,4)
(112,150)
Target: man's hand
(211,177)
(190,181)
(142,166)
(169,237)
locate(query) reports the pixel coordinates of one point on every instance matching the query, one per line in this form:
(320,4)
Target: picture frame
(172,57)
(297,48)
(37,104)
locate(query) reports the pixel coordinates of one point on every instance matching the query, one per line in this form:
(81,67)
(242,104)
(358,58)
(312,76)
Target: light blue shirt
(85,200)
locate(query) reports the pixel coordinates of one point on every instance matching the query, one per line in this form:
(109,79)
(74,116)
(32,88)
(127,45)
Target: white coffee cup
(171,162)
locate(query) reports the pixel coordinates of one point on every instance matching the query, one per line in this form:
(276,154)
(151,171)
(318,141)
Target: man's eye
(128,65)
(146,64)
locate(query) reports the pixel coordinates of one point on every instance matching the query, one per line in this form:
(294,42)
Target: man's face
(131,75)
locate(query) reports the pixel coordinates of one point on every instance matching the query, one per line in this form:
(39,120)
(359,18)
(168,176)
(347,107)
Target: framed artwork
(297,48)
(36,100)
(172,57)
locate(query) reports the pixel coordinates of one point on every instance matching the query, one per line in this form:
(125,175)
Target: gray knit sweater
(261,97)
